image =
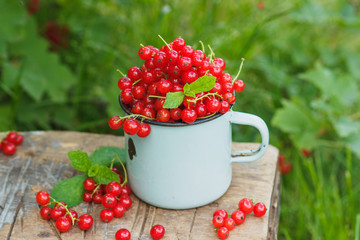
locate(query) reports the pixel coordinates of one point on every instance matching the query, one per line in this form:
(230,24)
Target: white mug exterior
(188,166)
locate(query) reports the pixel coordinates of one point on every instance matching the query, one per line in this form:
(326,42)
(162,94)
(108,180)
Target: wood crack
(144,221)
(192,222)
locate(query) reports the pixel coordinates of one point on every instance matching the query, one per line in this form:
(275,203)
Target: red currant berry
(184,63)
(213,105)
(175,71)
(144,130)
(11,137)
(125,190)
(9,148)
(45,212)
(61,206)
(126,96)
(150,63)
(220,62)
(187,51)
(164,86)
(217,88)
(148,77)
(113,188)
(134,73)
(157,231)
(172,57)
(238,216)
(160,59)
(198,58)
(42,197)
(119,210)
(175,114)
(87,197)
(63,224)
(223,233)
(144,53)
(218,221)
(227,87)
(215,70)
(139,92)
(89,184)
(97,198)
(246,205)
(123,234)
(148,112)
(200,109)
(221,212)
(124,83)
(224,106)
(159,103)
(229,223)
(163,115)
(225,78)
(106,215)
(85,222)
(178,44)
(229,97)
(138,107)
(109,201)
(126,201)
(115,122)
(259,209)
(131,126)
(177,88)
(189,76)
(188,115)
(239,85)
(73,214)
(56,213)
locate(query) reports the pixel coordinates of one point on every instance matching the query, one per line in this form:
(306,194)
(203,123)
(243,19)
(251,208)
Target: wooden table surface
(41,161)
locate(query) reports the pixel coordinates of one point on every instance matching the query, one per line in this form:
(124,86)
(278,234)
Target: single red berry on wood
(73,214)
(45,212)
(85,222)
(125,190)
(61,206)
(119,210)
(221,212)
(19,139)
(238,216)
(126,201)
(11,136)
(109,201)
(63,224)
(106,215)
(157,232)
(113,188)
(42,197)
(229,223)
(218,221)
(246,205)
(97,198)
(223,233)
(9,148)
(123,234)
(259,209)
(56,213)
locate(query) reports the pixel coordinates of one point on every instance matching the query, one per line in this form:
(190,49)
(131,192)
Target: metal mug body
(187,166)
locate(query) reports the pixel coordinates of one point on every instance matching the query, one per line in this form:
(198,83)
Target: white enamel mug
(181,166)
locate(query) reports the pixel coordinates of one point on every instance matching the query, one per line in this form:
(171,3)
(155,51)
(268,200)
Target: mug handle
(257,122)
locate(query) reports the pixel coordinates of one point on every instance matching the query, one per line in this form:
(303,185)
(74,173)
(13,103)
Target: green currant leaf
(173,99)
(103,156)
(80,160)
(69,190)
(105,175)
(202,84)
(93,171)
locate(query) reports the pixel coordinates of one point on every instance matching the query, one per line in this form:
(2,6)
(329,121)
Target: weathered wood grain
(41,161)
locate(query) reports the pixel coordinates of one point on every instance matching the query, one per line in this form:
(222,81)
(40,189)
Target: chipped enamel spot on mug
(131,149)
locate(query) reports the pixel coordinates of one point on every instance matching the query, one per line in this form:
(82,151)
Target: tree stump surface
(41,161)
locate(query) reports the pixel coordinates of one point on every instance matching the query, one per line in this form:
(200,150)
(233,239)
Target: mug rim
(171,124)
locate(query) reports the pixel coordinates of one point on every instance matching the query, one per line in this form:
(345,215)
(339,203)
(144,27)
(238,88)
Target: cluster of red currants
(284,165)
(130,125)
(169,69)
(224,223)
(64,218)
(9,143)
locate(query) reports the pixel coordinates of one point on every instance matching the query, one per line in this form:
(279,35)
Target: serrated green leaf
(80,160)
(173,99)
(202,84)
(105,175)
(93,170)
(104,155)
(70,190)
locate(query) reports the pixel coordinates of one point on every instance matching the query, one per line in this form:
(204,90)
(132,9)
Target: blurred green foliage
(301,72)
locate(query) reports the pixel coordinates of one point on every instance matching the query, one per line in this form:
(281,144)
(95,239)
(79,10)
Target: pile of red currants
(176,83)
(9,143)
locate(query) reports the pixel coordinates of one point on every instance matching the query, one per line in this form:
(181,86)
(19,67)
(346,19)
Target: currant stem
(135,116)
(237,75)
(142,45)
(125,175)
(211,53)
(157,96)
(94,191)
(206,95)
(136,82)
(207,116)
(202,46)
(118,70)
(66,208)
(164,42)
